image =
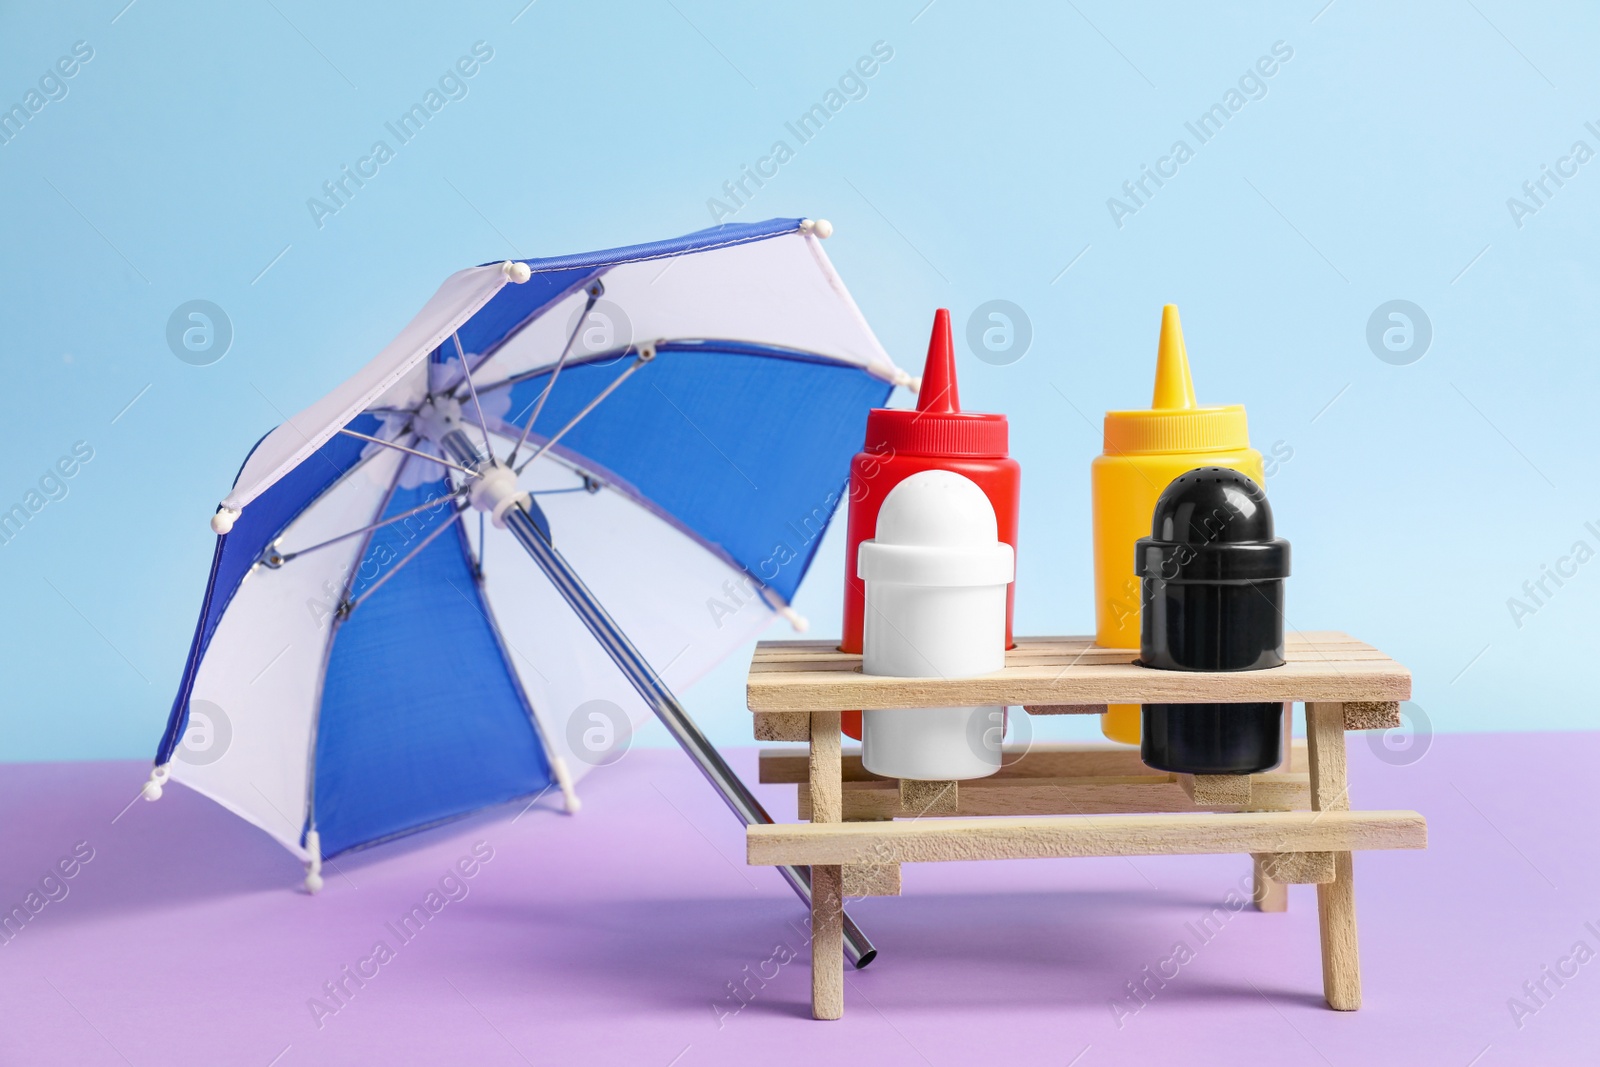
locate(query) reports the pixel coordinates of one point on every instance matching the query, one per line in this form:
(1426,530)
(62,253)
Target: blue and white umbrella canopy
(373,657)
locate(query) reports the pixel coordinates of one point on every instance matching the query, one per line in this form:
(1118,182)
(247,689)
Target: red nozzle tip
(938,392)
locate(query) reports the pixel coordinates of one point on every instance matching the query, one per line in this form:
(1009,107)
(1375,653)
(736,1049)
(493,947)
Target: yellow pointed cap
(1175,422)
(1174,386)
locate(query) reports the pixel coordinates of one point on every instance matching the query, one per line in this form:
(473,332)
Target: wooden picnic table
(1076,800)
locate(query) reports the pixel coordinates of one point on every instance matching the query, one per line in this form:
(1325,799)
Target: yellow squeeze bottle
(1144,451)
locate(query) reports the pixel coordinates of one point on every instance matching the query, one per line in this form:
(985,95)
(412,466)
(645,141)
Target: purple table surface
(633,933)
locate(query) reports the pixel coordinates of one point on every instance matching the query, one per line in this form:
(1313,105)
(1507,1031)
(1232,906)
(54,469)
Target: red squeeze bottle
(937,435)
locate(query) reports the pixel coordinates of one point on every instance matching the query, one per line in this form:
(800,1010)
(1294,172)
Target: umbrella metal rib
(644,357)
(650,686)
(407,558)
(412,451)
(466,372)
(285,557)
(595,289)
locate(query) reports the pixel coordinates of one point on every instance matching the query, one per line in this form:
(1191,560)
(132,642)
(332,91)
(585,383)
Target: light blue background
(977,166)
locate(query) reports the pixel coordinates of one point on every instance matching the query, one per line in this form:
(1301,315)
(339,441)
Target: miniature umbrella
(664,429)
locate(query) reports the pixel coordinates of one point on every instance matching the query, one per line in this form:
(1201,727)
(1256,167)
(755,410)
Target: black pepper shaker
(1212,583)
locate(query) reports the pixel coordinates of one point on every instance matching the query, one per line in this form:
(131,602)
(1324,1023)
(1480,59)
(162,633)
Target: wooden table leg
(827,882)
(1270,895)
(1336,900)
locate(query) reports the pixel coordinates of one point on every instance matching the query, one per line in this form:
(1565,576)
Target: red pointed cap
(938,426)
(938,392)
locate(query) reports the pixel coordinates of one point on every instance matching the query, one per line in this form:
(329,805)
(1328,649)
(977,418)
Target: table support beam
(1336,900)
(827,880)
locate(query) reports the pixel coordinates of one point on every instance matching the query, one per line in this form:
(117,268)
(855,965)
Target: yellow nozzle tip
(1174,386)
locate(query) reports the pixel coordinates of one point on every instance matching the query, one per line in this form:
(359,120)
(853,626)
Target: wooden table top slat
(814,676)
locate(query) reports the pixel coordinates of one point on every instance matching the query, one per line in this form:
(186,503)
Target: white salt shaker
(935,577)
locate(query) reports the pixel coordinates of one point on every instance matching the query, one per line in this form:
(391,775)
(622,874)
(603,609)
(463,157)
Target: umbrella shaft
(649,685)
